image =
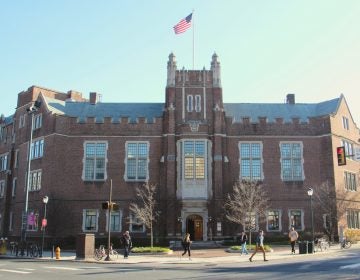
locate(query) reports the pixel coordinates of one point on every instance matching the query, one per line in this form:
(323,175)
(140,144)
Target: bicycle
(33,250)
(322,244)
(345,244)
(101,252)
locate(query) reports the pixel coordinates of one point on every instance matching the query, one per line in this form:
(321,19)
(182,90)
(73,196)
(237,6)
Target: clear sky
(120,48)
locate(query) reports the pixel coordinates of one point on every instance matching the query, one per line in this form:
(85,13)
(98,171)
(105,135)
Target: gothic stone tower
(193,149)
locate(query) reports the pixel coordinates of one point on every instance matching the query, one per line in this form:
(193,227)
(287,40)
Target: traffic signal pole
(109,221)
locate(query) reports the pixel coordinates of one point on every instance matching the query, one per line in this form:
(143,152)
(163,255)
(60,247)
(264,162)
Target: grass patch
(150,250)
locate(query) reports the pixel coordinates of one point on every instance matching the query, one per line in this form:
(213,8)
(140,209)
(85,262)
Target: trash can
(310,247)
(303,247)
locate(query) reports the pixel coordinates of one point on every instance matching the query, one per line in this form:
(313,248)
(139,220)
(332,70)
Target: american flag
(183,25)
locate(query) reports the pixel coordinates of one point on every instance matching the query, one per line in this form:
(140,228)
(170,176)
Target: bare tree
(144,210)
(330,203)
(247,200)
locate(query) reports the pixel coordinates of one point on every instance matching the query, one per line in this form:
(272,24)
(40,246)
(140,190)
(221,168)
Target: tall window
(95,158)
(291,161)
(190,104)
(37,121)
(350,181)
(115,221)
(273,220)
(194,159)
(13,189)
(345,122)
(22,119)
(2,188)
(11,219)
(3,162)
(137,157)
(197,103)
(353,219)
(35,180)
(90,220)
(136,225)
(349,148)
(296,219)
(16,164)
(250,160)
(37,149)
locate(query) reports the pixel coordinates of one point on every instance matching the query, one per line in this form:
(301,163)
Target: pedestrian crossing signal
(341,156)
(105,205)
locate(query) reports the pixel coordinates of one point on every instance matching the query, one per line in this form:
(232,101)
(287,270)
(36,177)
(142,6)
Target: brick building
(193,147)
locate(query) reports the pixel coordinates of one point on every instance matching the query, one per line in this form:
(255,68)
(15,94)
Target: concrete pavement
(204,256)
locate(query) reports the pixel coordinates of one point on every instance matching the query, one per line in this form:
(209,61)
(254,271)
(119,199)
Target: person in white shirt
(293,235)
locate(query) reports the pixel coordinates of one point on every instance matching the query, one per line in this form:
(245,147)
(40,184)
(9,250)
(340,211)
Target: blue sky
(120,48)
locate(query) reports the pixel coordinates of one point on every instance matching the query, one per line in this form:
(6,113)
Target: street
(337,265)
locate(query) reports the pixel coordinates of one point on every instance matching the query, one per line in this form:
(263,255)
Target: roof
(271,111)
(237,111)
(82,110)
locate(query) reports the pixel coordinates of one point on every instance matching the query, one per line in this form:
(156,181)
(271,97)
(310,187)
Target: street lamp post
(44,223)
(24,222)
(310,193)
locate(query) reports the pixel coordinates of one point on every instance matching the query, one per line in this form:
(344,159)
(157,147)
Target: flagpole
(193,38)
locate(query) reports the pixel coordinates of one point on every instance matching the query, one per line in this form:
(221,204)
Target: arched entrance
(194,226)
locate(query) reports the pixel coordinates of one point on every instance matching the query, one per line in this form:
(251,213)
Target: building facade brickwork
(193,146)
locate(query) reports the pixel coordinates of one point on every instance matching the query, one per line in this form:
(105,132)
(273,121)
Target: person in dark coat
(186,245)
(243,239)
(126,241)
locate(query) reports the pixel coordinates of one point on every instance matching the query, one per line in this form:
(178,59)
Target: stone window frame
(4,161)
(134,221)
(37,179)
(250,158)
(37,123)
(120,214)
(189,103)
(353,218)
(280,220)
(137,179)
(2,188)
(183,161)
(301,219)
(350,181)
(292,158)
(349,148)
(13,187)
(345,123)
(37,148)
(84,220)
(93,179)
(197,103)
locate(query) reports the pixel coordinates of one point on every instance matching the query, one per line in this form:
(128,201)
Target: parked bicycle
(321,244)
(101,252)
(33,250)
(345,244)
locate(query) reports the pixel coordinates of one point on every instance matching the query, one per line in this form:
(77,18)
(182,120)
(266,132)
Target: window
(350,181)
(32,220)
(35,180)
(197,103)
(353,219)
(345,122)
(2,189)
(3,162)
(22,120)
(95,158)
(189,103)
(137,157)
(37,121)
(13,189)
(273,220)
(2,132)
(37,149)
(250,161)
(11,218)
(90,220)
(115,221)
(296,219)
(16,163)
(349,148)
(291,161)
(194,159)
(136,225)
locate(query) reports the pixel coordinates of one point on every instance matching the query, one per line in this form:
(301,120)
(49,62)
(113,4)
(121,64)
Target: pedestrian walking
(126,242)
(259,246)
(186,245)
(243,240)
(293,235)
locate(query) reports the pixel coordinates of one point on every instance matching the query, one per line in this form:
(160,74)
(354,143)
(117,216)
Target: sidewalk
(204,256)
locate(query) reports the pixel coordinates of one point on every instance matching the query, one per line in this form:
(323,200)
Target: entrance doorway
(194,226)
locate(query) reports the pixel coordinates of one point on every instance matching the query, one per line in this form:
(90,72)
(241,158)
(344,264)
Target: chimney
(94,98)
(290,98)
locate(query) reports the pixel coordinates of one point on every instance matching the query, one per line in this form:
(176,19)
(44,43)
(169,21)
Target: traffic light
(105,205)
(341,156)
(115,206)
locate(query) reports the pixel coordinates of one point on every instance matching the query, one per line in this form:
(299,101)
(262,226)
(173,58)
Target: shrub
(150,250)
(252,247)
